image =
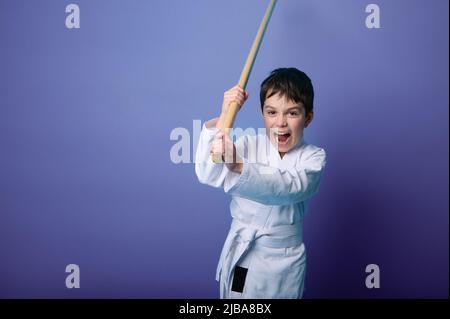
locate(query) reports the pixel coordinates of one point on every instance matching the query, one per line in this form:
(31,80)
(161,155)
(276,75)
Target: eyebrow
(298,107)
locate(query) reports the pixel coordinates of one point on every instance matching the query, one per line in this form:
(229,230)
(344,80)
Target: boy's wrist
(212,123)
(219,123)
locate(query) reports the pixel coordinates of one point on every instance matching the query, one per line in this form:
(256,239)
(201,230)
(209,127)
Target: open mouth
(282,138)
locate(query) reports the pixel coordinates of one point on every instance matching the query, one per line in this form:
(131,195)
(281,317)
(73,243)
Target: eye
(293,113)
(271,112)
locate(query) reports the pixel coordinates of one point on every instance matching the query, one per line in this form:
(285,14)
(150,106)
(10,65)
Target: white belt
(247,234)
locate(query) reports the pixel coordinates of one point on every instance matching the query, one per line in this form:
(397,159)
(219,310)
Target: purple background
(86,115)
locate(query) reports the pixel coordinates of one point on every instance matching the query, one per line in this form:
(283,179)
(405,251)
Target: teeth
(281,133)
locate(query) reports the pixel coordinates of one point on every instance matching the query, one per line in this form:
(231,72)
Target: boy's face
(284,121)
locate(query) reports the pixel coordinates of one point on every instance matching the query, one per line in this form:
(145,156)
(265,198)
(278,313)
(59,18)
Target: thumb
(226,138)
(219,135)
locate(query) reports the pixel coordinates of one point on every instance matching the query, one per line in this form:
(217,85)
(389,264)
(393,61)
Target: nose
(281,120)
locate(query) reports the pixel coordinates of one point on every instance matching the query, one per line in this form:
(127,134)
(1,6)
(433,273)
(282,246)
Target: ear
(309,118)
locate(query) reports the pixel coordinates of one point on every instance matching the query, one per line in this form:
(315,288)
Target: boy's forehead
(278,100)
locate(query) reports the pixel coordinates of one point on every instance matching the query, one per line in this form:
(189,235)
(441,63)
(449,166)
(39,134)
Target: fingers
(223,145)
(218,145)
(226,138)
(236,94)
(230,150)
(219,135)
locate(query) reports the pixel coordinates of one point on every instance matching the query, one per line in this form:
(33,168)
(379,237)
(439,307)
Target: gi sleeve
(274,186)
(208,172)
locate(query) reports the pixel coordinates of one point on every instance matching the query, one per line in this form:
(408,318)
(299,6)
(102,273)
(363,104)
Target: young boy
(264,254)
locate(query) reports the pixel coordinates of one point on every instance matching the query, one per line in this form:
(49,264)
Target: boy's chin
(284,149)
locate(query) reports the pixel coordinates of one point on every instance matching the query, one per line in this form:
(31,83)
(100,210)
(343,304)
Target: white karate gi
(269,200)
